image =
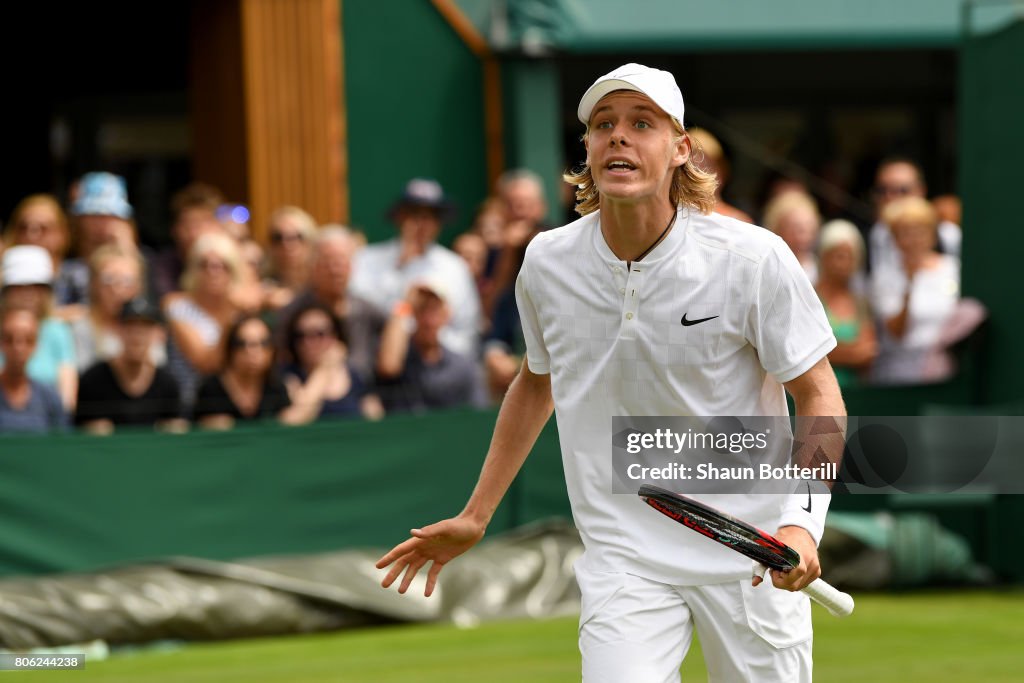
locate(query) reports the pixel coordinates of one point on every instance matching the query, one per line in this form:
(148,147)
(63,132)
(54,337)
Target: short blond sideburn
(691,186)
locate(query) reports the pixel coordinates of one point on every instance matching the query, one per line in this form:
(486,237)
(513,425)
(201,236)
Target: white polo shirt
(613,341)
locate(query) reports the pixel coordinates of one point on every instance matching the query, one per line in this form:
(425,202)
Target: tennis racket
(766,550)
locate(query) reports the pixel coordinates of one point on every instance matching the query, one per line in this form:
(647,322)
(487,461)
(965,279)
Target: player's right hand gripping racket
(763,548)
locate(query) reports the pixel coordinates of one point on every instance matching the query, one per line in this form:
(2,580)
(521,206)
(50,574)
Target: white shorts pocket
(782,618)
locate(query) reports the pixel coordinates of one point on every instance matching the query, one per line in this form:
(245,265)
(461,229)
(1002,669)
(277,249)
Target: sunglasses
(282,237)
(212,264)
(262,343)
(892,190)
(313,333)
(29,228)
(114,280)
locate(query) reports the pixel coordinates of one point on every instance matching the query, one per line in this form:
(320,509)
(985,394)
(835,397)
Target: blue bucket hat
(102,194)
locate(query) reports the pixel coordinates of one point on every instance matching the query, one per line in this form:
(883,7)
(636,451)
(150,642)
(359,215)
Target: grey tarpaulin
(867,551)
(527,573)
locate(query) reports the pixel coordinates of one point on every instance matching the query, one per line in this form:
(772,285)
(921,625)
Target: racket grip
(838,603)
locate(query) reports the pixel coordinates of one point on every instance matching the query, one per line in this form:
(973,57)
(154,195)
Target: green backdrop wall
(414,96)
(992,150)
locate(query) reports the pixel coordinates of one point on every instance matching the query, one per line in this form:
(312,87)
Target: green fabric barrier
(74,502)
(79,503)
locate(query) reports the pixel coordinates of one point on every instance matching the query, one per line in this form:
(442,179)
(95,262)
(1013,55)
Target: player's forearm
(816,396)
(524,412)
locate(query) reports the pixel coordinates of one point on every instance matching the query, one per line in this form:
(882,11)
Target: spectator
(115,277)
(129,389)
(28,283)
(25,404)
(950,210)
(333,250)
(194,210)
(102,215)
(197,317)
(321,374)
(842,257)
(504,346)
(416,371)
(523,193)
(916,299)
(525,208)
(292,232)
(473,250)
(247,387)
(710,158)
(489,223)
(39,220)
(896,178)
(383,272)
(794,217)
(253,260)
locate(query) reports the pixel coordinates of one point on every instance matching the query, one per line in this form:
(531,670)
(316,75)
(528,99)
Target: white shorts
(638,631)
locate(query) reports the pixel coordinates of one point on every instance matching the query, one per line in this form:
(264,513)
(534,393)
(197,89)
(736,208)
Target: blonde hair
(306,223)
(839,232)
(691,186)
(786,203)
(911,209)
(219,245)
(113,252)
(50,202)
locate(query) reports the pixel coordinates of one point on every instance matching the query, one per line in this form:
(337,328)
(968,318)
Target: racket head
(721,528)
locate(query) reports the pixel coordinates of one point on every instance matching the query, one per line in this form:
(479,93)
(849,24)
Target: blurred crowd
(100,332)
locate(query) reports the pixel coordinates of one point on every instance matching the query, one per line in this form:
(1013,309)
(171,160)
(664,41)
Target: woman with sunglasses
(320,374)
(39,220)
(115,278)
(292,232)
(246,387)
(197,317)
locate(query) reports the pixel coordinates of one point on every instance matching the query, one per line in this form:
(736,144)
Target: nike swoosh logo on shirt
(687,323)
(809,500)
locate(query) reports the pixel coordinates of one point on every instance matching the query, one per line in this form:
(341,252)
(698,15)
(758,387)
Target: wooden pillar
(268,112)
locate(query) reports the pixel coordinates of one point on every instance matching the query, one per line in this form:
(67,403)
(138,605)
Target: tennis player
(651,304)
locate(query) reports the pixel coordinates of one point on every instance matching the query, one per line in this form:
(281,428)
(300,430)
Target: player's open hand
(804,573)
(438,543)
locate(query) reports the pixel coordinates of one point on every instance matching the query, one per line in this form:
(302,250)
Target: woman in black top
(320,372)
(246,388)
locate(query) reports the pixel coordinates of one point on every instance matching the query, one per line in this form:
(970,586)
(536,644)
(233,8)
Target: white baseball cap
(27,265)
(432,283)
(658,85)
